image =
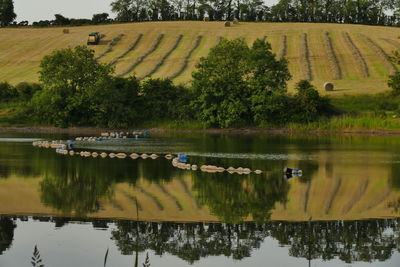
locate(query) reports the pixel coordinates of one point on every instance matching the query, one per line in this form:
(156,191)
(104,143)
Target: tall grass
(347,122)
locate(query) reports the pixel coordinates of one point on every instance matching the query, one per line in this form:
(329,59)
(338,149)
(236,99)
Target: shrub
(163,100)
(309,104)
(26,90)
(7,92)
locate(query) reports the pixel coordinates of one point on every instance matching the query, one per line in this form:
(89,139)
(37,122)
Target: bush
(117,104)
(163,100)
(7,92)
(309,105)
(394,83)
(26,90)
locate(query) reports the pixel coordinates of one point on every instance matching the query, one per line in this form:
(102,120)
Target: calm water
(343,211)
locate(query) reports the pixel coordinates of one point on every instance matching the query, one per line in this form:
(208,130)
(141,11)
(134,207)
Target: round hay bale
(65,31)
(235,21)
(329,86)
(227,24)
(206,18)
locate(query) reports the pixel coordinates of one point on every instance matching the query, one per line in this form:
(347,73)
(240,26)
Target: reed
(162,60)
(187,57)
(333,59)
(304,58)
(140,59)
(381,53)
(362,65)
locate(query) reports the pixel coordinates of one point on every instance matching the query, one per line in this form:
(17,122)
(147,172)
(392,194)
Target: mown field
(354,57)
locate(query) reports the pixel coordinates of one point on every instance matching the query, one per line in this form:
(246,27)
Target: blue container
(182,158)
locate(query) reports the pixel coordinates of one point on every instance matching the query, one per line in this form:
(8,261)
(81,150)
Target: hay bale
(329,86)
(65,31)
(235,21)
(227,24)
(206,18)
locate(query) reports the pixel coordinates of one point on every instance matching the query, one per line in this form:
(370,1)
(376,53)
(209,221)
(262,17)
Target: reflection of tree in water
(349,241)
(7,226)
(75,185)
(233,198)
(189,242)
(373,240)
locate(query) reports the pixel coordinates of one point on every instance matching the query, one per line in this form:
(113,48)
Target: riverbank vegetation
(234,86)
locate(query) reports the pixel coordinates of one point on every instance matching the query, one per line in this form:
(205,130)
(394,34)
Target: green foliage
(310,105)
(234,80)
(26,90)
(163,100)
(7,14)
(69,77)
(7,92)
(116,104)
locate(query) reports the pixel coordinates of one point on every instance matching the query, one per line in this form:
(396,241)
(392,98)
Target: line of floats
(179,161)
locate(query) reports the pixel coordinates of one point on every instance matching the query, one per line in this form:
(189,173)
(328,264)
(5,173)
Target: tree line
(369,12)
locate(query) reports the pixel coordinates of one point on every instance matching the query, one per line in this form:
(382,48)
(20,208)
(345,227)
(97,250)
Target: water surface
(343,211)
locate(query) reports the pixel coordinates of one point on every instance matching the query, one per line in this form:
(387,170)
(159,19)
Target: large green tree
(234,82)
(70,77)
(7,14)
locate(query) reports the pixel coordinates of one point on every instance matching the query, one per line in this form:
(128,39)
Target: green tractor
(93,39)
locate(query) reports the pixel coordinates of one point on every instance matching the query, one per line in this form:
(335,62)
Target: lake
(344,210)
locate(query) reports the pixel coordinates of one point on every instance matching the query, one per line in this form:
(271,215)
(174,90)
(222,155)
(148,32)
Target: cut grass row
(305,62)
(110,46)
(140,59)
(362,65)
(130,48)
(381,53)
(187,57)
(283,47)
(162,60)
(333,60)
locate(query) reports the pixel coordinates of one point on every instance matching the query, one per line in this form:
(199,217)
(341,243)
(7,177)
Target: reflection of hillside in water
(351,241)
(347,179)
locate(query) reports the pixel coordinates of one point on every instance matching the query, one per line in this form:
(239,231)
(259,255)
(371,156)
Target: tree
(69,77)
(221,81)
(60,20)
(235,82)
(309,103)
(100,18)
(394,80)
(7,14)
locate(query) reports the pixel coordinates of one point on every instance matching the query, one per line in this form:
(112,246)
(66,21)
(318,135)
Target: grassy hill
(354,57)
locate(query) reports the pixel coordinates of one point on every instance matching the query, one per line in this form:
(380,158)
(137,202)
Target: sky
(35,10)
